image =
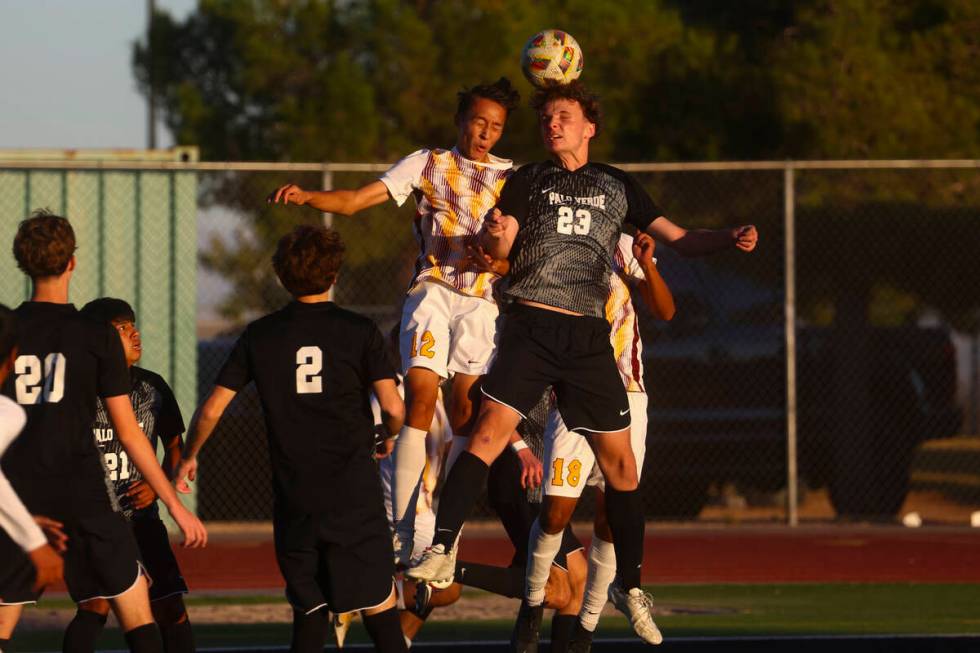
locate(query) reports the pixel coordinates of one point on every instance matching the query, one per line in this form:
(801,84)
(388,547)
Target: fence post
(789,309)
(326,183)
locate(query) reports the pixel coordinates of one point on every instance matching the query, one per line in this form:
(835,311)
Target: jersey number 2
(577,222)
(30,373)
(309,364)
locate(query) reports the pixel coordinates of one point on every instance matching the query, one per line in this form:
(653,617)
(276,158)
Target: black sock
(4,644)
(145,639)
(562,627)
(178,637)
(625,513)
(505,581)
(385,630)
(309,631)
(463,487)
(83,632)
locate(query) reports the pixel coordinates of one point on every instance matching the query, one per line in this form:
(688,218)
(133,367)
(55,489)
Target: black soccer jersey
(64,363)
(313,366)
(158,415)
(569,224)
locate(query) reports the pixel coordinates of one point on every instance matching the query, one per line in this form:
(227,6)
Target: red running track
(695,555)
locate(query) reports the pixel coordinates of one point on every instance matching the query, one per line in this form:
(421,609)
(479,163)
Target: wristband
(518,446)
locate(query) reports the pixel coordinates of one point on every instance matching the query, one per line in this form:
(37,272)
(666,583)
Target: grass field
(688,611)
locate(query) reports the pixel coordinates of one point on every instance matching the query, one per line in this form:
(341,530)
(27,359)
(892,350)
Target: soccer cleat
(434,566)
(527,629)
(402,549)
(341,622)
(636,605)
(581,640)
(423,595)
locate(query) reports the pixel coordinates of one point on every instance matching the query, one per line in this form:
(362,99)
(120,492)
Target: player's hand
(48,566)
(53,530)
(746,237)
(186,471)
(195,535)
(643,247)
(384,444)
(290,193)
(496,223)
(531,470)
(477,258)
(140,494)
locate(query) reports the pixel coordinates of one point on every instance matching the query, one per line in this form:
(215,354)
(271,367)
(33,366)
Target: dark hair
(108,309)
(501,92)
(8,331)
(44,244)
(575,91)
(307,259)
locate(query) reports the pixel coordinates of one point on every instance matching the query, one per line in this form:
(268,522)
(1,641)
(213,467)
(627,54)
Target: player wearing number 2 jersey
(314,365)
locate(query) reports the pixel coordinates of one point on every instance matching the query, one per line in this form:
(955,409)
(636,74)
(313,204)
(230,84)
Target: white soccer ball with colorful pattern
(551,56)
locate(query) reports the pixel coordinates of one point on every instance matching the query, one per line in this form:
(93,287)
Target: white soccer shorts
(446,331)
(569,463)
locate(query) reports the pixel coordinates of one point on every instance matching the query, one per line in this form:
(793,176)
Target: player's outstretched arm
(140,451)
(699,242)
(392,410)
(202,426)
(498,234)
(346,202)
(653,288)
(531,469)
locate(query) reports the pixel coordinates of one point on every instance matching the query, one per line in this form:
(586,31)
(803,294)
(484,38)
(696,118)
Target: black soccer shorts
(103,559)
(323,573)
(16,573)
(540,348)
(158,558)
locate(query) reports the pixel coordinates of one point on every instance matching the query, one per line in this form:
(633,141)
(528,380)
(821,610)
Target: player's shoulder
(150,378)
(611,170)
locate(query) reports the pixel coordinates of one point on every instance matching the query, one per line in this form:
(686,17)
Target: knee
(554,518)
(97,606)
(621,474)
(169,611)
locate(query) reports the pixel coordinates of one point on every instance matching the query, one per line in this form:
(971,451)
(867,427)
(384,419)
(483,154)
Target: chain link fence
(864,273)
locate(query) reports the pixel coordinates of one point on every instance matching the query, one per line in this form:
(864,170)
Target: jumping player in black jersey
(64,363)
(159,416)
(558,222)
(314,365)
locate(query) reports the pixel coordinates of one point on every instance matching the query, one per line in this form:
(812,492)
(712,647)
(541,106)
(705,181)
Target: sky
(66,80)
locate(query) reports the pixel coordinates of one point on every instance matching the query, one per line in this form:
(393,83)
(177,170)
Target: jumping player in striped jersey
(571,461)
(559,222)
(449,319)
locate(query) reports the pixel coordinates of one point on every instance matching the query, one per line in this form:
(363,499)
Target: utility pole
(151,108)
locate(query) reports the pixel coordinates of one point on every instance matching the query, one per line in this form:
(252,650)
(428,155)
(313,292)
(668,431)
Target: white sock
(543,548)
(602,571)
(409,462)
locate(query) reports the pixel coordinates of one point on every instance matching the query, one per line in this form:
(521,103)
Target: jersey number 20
(577,222)
(30,374)
(309,364)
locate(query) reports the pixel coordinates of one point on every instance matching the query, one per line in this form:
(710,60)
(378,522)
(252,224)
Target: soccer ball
(551,55)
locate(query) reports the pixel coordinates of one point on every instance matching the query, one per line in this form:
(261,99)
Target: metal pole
(789,306)
(151,118)
(326,182)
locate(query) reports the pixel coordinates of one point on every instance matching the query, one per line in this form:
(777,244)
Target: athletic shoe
(423,594)
(341,622)
(581,640)
(434,566)
(403,550)
(527,629)
(636,605)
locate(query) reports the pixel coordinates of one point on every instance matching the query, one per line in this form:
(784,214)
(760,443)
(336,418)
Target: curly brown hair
(44,244)
(575,91)
(307,259)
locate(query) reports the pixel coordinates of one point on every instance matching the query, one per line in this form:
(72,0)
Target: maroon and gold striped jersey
(452,195)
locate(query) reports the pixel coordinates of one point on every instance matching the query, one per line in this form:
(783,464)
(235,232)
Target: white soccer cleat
(637,605)
(402,549)
(341,623)
(435,566)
